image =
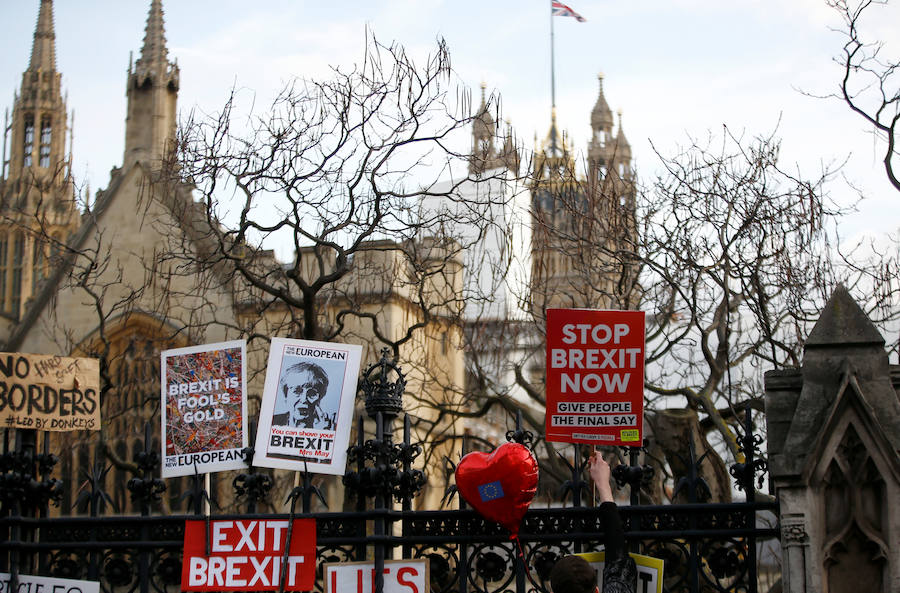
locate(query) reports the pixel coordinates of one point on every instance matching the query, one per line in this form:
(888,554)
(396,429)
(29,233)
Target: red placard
(246,555)
(595,376)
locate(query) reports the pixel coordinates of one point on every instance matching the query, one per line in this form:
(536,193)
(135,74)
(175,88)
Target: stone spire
(485,155)
(555,163)
(607,152)
(510,152)
(484,127)
(43,51)
(152,95)
(38,130)
(154,50)
(600,145)
(553,145)
(623,148)
(601,114)
(37,198)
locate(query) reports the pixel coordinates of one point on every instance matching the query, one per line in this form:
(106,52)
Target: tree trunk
(673,431)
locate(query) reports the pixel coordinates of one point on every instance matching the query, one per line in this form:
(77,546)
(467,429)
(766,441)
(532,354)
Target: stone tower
(609,156)
(36,190)
(152,96)
(485,131)
(555,193)
(584,229)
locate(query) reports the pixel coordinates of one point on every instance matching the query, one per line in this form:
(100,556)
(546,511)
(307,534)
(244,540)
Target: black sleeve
(619,571)
(614,536)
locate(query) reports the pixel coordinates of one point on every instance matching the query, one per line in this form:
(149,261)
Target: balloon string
(521,555)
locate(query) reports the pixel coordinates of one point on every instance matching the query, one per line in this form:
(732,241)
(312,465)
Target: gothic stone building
(584,230)
(90,282)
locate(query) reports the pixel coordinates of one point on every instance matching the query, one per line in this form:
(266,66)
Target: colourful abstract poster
(307,407)
(204,408)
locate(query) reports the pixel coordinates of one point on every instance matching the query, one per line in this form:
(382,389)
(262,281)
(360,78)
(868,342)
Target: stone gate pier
(834,457)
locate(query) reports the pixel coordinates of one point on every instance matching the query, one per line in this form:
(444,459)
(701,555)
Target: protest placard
(649,571)
(38,584)
(248,555)
(44,392)
(307,407)
(595,376)
(204,408)
(399,576)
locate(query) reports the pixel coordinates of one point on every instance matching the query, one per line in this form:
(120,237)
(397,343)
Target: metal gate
(706,547)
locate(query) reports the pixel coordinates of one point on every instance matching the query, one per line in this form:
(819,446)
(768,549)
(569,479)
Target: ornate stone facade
(119,288)
(37,199)
(583,228)
(834,457)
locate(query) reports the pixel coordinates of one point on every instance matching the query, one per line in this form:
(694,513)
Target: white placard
(307,406)
(400,576)
(35,584)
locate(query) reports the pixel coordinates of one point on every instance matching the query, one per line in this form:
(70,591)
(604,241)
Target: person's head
(573,574)
(303,385)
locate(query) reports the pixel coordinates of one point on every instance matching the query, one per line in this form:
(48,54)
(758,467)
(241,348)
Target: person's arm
(609,514)
(619,571)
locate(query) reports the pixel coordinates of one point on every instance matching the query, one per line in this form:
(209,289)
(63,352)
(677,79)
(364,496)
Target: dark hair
(573,574)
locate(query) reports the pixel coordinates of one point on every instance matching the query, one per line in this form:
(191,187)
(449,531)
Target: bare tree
(732,259)
(335,170)
(870,83)
(736,262)
(335,173)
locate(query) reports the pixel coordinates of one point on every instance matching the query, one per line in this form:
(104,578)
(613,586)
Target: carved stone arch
(848,468)
(129,347)
(833,440)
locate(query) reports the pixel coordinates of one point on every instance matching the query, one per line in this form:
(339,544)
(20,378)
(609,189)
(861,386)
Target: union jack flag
(559,9)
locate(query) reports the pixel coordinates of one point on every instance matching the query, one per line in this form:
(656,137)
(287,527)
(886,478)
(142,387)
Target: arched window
(132,344)
(55,249)
(175,488)
(17,263)
(37,264)
(120,490)
(4,269)
(137,447)
(46,135)
(83,474)
(28,141)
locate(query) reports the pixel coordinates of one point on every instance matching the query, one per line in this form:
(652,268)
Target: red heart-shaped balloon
(499,485)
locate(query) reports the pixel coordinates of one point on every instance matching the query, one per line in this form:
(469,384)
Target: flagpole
(552,62)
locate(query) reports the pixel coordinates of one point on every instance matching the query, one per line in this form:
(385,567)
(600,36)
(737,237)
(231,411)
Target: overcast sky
(675,67)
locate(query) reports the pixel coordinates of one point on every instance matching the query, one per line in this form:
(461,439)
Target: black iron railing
(705,546)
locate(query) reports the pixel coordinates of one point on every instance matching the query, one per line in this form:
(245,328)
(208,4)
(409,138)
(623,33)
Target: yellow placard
(649,571)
